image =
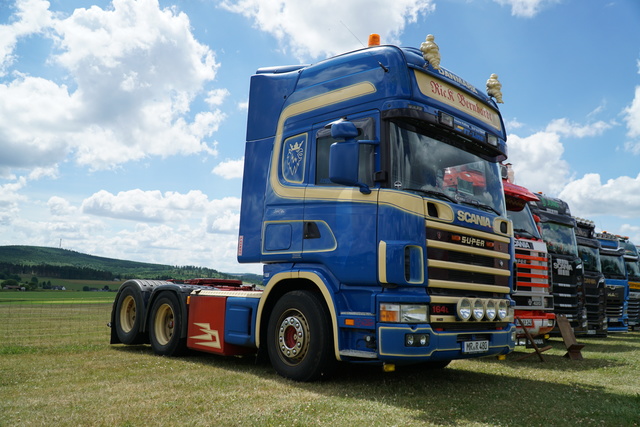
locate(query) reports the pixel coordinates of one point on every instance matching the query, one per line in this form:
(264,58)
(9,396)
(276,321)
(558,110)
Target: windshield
(590,258)
(560,238)
(427,165)
(613,266)
(633,270)
(523,223)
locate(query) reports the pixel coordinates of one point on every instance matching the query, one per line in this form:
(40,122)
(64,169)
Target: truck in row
(372,195)
(592,273)
(534,307)
(594,281)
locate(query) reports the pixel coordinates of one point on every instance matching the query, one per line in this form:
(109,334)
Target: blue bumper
(449,345)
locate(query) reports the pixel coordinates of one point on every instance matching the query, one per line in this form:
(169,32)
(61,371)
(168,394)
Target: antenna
(375,39)
(354,36)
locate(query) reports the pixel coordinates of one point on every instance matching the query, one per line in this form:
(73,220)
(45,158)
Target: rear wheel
(165,325)
(299,337)
(129,315)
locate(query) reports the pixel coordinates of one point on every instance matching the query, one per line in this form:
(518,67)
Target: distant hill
(55,262)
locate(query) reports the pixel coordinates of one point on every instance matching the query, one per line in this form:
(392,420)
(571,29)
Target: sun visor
(517,196)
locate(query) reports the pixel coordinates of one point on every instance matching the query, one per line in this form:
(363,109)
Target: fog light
(503,309)
(478,309)
(416,340)
(408,340)
(490,309)
(463,308)
(424,340)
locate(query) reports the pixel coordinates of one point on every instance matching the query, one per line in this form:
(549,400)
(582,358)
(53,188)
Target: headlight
(503,309)
(403,313)
(490,309)
(413,313)
(463,308)
(478,309)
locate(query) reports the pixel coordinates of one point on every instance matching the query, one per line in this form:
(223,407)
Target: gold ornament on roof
(494,88)
(431,52)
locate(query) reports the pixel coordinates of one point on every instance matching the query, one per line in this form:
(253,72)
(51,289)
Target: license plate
(475,346)
(527,322)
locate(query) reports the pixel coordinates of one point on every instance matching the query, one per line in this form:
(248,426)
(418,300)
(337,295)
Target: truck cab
(615,274)
(632,264)
(558,231)
(594,282)
(532,290)
(383,197)
(634,296)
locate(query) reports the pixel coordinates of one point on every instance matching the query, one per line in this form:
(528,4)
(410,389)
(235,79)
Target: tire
(165,325)
(300,339)
(129,316)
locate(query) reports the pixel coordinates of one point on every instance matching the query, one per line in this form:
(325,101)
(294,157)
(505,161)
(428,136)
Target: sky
(122,123)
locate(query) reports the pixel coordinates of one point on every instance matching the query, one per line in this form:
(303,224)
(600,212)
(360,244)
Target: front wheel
(299,337)
(165,324)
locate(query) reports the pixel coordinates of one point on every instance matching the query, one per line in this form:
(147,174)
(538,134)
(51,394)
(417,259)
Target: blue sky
(122,123)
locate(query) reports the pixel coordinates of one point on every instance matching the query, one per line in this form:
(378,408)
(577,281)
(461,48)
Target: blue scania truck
(372,196)
(612,257)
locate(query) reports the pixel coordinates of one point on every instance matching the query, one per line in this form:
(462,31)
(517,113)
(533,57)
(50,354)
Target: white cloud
(230,169)
(34,123)
(632,116)
(619,196)
(224,216)
(9,200)
(145,206)
(31,16)
(513,124)
(133,71)
(326,27)
(537,162)
(59,206)
(567,128)
(526,8)
(216,97)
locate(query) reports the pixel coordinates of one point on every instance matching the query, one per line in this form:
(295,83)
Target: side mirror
(344,157)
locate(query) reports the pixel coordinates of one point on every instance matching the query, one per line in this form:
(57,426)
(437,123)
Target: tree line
(10,270)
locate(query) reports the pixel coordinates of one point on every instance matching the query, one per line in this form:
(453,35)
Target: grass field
(32,320)
(84,381)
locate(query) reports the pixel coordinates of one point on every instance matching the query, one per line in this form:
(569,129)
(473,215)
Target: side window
(366,130)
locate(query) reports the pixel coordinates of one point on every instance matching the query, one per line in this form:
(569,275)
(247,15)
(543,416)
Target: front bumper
(442,345)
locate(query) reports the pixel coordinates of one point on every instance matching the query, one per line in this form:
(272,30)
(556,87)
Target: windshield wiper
(433,193)
(477,204)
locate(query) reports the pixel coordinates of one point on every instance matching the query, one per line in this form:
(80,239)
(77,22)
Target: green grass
(85,381)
